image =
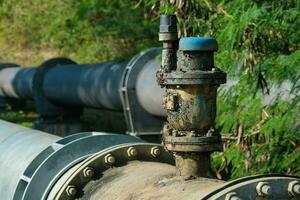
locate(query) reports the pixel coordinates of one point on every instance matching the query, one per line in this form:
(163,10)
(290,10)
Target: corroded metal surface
(147,181)
(195,164)
(190,98)
(191,108)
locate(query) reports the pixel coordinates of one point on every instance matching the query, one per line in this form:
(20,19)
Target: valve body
(190,99)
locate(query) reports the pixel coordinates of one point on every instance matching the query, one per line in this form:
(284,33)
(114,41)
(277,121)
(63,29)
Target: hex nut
(232,196)
(71,190)
(131,152)
(155,151)
(263,189)
(109,159)
(88,172)
(294,188)
(192,134)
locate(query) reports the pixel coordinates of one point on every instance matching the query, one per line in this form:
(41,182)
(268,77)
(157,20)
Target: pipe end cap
(198,44)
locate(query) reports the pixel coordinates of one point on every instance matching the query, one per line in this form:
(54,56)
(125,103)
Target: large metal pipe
(90,166)
(95,85)
(32,161)
(61,88)
(16,82)
(148,180)
(149,174)
(99,85)
(19,146)
(90,85)
(149,93)
(36,165)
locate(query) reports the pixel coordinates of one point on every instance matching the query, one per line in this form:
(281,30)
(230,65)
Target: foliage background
(258,47)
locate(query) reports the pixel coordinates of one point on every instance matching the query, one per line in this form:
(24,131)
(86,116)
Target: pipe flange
(97,162)
(46,169)
(133,110)
(193,144)
(45,107)
(256,187)
(197,77)
(194,148)
(192,140)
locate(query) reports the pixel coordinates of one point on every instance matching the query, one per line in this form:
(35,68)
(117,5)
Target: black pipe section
(95,85)
(89,85)
(16,82)
(60,89)
(64,88)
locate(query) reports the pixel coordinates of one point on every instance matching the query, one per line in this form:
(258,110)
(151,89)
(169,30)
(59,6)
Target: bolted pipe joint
(263,189)
(294,188)
(191,92)
(71,190)
(232,196)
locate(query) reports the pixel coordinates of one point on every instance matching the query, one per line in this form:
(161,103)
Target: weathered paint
(190,100)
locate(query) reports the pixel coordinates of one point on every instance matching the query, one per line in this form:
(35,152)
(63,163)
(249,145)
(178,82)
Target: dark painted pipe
(94,85)
(91,85)
(98,85)
(16,82)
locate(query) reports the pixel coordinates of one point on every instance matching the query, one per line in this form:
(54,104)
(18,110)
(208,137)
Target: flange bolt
(131,152)
(232,196)
(155,151)
(109,159)
(294,188)
(263,189)
(88,172)
(71,190)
